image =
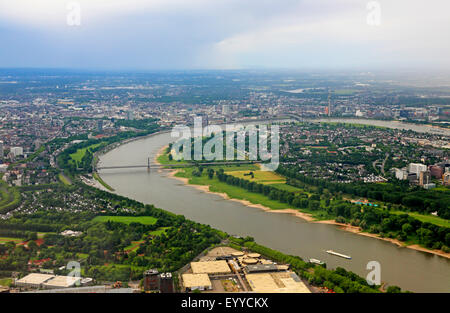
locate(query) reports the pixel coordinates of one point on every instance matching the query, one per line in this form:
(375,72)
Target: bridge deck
(176,165)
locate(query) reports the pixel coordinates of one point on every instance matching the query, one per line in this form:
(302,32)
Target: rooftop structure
(416,168)
(259,268)
(36,280)
(71,233)
(254,255)
(283,282)
(250,261)
(196,281)
(33,280)
(90,289)
(213,267)
(62,282)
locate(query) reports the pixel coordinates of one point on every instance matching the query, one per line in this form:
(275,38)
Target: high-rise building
(401,174)
(1,150)
(226,109)
(416,168)
(329,103)
(99,125)
(165,283)
(151,280)
(16,151)
(205,120)
(37,144)
(446,179)
(424,178)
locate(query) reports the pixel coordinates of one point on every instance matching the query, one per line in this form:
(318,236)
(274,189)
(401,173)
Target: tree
(407,228)
(394,289)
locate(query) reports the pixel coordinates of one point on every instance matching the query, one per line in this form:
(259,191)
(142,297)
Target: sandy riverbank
(305,216)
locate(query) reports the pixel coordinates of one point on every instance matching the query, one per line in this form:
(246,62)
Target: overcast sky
(226,34)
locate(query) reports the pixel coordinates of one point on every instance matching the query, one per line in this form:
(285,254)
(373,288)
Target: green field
(164,158)
(239,193)
(134,245)
(232,191)
(345,92)
(159,231)
(9,197)
(4,240)
(426,218)
(146,220)
(289,188)
(262,177)
(64,180)
(82,255)
(6,282)
(78,156)
(101,181)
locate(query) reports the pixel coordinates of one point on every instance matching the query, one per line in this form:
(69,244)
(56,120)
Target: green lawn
(426,218)
(159,231)
(64,180)
(232,191)
(78,156)
(4,240)
(286,187)
(41,235)
(164,158)
(259,176)
(6,282)
(235,192)
(345,92)
(82,255)
(134,245)
(9,196)
(101,181)
(146,220)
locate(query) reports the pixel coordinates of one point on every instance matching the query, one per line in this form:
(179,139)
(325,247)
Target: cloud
(224,33)
(410,32)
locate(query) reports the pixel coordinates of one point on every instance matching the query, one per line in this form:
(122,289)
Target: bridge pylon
(148,165)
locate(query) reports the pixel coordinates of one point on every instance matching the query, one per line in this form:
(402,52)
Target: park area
(80,153)
(262,177)
(146,220)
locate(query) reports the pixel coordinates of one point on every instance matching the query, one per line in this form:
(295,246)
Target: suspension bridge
(149,166)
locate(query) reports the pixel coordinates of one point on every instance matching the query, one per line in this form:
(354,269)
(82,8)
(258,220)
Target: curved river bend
(412,270)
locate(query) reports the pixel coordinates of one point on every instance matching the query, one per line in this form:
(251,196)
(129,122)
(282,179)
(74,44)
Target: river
(410,269)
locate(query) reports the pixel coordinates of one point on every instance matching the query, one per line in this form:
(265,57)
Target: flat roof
(285,282)
(35,279)
(62,281)
(261,268)
(90,289)
(250,261)
(211,267)
(196,280)
(254,255)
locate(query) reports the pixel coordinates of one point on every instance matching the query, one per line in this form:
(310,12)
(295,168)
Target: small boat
(338,254)
(315,261)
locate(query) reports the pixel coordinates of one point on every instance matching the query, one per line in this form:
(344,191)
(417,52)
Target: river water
(410,269)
